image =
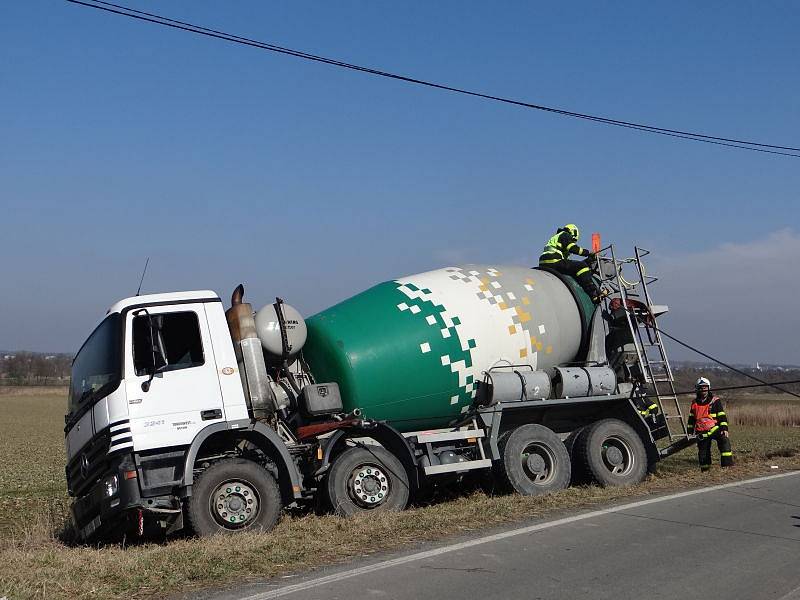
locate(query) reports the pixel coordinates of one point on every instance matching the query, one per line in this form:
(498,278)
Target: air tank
(412,351)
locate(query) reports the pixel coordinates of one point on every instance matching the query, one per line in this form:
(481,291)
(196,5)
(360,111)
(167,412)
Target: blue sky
(122,140)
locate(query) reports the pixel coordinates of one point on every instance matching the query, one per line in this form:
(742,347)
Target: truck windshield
(97,369)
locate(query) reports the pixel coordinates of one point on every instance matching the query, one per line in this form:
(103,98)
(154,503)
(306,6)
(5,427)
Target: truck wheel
(579,475)
(613,453)
(535,460)
(232,495)
(362,480)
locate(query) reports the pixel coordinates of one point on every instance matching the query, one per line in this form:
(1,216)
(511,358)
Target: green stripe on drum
(393,356)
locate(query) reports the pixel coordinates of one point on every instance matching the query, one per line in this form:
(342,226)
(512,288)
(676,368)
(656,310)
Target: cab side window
(172,340)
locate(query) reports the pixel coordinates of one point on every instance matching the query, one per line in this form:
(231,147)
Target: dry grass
(35,564)
(38,391)
(765,411)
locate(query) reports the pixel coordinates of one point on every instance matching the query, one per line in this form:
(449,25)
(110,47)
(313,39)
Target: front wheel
(233,495)
(366,479)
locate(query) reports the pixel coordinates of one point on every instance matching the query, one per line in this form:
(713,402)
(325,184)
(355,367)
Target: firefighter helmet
(702,382)
(573,230)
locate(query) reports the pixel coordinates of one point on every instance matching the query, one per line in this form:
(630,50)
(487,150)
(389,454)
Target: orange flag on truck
(595,243)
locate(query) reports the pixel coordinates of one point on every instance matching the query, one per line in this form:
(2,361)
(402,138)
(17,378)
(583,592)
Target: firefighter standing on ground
(707,419)
(556,256)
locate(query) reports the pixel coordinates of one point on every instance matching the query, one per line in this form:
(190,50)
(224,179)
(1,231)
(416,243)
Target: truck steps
(458,466)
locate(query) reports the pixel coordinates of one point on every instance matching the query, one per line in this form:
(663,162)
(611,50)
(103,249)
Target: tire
(612,453)
(366,480)
(579,475)
(234,495)
(534,460)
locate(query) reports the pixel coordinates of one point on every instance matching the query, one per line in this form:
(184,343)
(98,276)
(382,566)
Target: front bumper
(96,510)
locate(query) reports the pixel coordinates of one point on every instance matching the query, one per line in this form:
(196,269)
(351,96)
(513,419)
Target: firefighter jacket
(646,406)
(707,416)
(559,247)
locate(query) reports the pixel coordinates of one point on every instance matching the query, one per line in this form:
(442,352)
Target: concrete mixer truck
(182,413)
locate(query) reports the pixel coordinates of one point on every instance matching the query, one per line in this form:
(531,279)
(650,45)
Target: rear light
(129,475)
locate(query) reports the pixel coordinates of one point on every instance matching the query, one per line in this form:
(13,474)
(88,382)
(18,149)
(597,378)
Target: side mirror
(158,360)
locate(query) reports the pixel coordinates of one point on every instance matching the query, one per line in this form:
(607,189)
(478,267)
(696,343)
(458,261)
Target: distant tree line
(34,368)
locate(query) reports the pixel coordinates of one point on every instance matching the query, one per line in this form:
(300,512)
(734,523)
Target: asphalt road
(738,541)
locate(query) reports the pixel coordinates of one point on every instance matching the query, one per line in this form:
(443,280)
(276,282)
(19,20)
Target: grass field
(35,563)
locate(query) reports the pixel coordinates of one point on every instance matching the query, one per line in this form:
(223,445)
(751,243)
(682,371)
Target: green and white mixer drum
(411,351)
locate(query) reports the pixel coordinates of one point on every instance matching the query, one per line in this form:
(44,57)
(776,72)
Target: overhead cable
(727,366)
(743,387)
(214,33)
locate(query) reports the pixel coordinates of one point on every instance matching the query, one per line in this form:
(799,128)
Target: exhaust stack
(249,356)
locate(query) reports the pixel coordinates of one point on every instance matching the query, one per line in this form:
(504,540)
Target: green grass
(33,508)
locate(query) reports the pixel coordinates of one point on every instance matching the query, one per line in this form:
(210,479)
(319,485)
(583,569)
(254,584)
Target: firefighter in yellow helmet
(556,256)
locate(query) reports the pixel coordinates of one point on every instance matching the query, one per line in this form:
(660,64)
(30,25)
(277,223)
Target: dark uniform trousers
(704,450)
(580,271)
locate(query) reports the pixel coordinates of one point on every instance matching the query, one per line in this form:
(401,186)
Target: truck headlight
(111,485)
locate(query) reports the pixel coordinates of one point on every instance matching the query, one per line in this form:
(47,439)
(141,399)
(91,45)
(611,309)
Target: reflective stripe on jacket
(707,416)
(559,247)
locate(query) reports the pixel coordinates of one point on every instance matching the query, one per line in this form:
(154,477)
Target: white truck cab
(148,386)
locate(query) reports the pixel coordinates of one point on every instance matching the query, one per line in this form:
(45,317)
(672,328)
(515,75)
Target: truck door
(169,408)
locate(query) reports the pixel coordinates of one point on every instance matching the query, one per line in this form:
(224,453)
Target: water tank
(411,351)
(268,327)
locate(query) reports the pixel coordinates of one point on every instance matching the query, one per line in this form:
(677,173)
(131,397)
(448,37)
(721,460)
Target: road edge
(454,547)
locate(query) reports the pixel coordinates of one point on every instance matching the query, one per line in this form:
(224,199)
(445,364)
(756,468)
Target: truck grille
(87,466)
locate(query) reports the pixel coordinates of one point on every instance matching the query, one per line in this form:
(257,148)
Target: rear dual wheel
(611,453)
(534,460)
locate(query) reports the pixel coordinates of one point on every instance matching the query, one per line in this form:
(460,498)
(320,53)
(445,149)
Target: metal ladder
(650,351)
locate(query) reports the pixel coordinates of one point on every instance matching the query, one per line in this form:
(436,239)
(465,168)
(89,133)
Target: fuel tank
(411,351)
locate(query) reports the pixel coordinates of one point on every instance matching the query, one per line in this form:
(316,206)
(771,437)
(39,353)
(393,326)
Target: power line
(727,366)
(214,33)
(743,387)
